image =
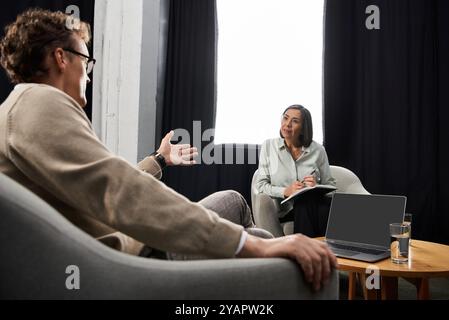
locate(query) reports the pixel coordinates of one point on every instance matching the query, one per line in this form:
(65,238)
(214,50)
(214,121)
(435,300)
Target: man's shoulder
(43,92)
(36,105)
(33,99)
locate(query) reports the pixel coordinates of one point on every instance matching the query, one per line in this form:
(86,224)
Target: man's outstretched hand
(177,154)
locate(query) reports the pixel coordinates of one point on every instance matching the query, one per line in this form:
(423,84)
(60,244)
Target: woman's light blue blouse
(278,170)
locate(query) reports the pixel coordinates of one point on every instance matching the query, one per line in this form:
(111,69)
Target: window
(269,57)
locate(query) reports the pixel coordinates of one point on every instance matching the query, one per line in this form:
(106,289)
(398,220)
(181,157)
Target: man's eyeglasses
(90,61)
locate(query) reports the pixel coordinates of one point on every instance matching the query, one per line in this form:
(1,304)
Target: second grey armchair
(265,208)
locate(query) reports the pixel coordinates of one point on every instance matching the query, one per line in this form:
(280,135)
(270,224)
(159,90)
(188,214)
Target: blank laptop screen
(364,218)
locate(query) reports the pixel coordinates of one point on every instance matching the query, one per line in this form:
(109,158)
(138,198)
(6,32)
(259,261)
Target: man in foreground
(47,144)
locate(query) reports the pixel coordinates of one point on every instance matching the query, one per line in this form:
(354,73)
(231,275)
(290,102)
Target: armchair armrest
(276,278)
(40,247)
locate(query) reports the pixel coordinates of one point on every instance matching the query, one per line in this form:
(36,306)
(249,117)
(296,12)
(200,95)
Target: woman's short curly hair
(29,39)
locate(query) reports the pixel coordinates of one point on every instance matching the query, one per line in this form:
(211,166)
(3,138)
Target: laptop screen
(364,218)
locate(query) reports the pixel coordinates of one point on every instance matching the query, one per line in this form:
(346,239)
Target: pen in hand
(314,170)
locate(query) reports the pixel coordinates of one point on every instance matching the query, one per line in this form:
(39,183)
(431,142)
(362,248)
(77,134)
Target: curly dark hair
(29,39)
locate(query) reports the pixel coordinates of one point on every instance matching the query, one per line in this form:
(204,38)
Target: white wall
(154,48)
(125,83)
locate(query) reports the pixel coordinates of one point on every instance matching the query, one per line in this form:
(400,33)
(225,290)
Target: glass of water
(408,221)
(399,242)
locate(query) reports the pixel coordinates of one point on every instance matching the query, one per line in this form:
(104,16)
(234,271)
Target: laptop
(358,225)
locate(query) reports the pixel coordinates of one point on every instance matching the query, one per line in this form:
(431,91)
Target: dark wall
(11,9)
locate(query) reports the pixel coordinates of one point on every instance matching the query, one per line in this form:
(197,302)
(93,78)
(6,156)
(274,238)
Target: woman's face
(291,124)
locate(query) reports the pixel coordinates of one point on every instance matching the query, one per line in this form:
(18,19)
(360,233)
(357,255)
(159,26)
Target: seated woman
(293,162)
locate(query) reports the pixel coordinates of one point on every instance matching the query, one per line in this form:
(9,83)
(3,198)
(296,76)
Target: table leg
(352,285)
(389,288)
(422,287)
(371,294)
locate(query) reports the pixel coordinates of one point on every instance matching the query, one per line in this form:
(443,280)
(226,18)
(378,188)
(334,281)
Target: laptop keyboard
(350,250)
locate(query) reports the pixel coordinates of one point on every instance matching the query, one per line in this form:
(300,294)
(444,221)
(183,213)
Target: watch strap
(160,159)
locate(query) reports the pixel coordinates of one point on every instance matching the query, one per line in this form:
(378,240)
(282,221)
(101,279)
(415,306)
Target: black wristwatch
(160,159)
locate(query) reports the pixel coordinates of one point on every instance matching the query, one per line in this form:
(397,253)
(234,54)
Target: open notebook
(322,188)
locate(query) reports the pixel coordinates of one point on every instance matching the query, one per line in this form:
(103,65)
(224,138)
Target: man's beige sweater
(48,145)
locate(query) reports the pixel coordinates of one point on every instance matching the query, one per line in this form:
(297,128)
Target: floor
(439,289)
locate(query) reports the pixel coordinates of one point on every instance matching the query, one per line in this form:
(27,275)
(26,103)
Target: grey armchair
(38,244)
(265,208)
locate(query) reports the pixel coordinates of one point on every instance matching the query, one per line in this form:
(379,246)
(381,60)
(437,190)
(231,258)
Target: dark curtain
(190,95)
(386,99)
(190,84)
(8,14)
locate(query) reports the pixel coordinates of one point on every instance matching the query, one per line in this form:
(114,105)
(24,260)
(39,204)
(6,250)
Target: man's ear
(60,59)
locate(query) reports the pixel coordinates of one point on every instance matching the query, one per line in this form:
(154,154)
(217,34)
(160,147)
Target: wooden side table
(427,260)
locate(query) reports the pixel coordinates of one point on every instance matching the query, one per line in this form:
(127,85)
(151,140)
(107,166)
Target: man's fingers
(188,151)
(187,159)
(326,270)
(184,147)
(189,156)
(333,259)
(169,135)
(189,163)
(331,256)
(317,272)
(308,270)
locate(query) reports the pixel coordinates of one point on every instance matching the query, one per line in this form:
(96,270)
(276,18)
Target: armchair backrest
(265,208)
(347,181)
(254,191)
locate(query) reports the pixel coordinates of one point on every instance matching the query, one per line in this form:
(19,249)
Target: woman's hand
(310,181)
(295,186)
(177,154)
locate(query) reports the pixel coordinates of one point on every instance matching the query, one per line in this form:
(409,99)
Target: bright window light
(269,57)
